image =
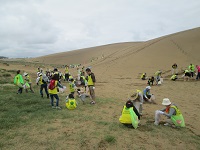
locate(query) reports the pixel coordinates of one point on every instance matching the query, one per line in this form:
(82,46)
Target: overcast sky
(30,28)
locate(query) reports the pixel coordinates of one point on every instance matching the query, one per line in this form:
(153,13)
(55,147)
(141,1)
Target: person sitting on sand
(174,77)
(158,76)
(150,81)
(144,76)
(138,100)
(125,118)
(147,96)
(18,80)
(71,103)
(173,114)
(187,75)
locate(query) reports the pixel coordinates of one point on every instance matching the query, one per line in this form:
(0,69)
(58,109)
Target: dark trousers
(44,86)
(20,90)
(67,76)
(198,76)
(192,74)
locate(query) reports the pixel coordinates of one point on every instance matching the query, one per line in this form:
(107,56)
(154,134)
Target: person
(82,93)
(174,77)
(91,84)
(191,69)
(125,118)
(83,81)
(158,76)
(138,100)
(43,85)
(147,96)
(53,91)
(174,69)
(18,80)
(198,72)
(187,75)
(72,86)
(150,81)
(144,76)
(83,71)
(66,73)
(56,74)
(71,103)
(173,114)
(28,80)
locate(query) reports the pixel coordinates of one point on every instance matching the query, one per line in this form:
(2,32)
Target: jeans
(66,77)
(52,99)
(44,86)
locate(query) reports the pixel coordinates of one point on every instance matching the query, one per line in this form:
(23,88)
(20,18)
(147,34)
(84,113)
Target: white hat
(166,101)
(25,74)
(148,87)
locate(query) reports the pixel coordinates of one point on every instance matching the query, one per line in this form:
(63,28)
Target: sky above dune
(31,28)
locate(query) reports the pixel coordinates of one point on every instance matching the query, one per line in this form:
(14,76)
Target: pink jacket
(198,68)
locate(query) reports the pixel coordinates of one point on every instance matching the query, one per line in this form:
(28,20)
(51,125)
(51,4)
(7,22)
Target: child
(28,80)
(18,80)
(82,93)
(72,86)
(53,91)
(71,103)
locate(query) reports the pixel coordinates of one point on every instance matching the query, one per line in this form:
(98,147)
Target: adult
(138,100)
(174,69)
(187,75)
(144,76)
(91,84)
(191,69)
(147,96)
(18,80)
(198,72)
(125,118)
(158,76)
(172,112)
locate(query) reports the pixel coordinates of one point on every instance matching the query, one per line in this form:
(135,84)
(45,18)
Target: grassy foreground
(28,122)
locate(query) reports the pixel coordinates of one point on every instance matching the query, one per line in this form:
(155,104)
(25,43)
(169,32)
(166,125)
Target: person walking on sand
(198,72)
(18,80)
(174,69)
(91,84)
(173,114)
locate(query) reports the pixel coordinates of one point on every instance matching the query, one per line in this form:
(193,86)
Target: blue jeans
(52,99)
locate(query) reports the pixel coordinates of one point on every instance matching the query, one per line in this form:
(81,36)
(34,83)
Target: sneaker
(166,124)
(58,108)
(53,107)
(155,123)
(92,102)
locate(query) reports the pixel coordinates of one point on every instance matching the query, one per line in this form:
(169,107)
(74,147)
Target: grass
(27,120)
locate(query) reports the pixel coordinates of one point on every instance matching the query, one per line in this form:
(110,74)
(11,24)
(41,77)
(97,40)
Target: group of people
(50,82)
(187,74)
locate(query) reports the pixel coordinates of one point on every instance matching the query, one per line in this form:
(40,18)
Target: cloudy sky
(31,28)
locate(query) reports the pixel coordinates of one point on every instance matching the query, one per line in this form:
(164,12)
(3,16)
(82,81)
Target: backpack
(45,78)
(52,84)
